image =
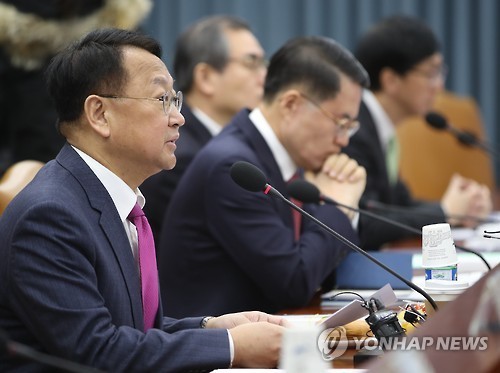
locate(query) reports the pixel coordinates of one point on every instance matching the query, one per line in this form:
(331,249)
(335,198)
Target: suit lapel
(267,162)
(195,128)
(368,126)
(111,225)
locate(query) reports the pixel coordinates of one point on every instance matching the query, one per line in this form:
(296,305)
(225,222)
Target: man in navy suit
(228,249)
(70,277)
(219,65)
(406,68)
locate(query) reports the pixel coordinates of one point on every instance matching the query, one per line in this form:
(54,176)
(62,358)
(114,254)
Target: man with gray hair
(219,65)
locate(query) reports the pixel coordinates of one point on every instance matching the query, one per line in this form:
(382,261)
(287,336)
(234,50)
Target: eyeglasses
(344,126)
(251,61)
(432,74)
(168,100)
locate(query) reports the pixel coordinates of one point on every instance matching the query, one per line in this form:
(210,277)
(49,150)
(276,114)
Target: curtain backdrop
(468,29)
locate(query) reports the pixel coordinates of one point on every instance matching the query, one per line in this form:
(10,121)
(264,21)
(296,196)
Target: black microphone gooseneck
(439,122)
(251,178)
(16,349)
(380,206)
(308,193)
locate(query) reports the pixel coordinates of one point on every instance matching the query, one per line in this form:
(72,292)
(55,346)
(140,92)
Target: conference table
(470,266)
(346,360)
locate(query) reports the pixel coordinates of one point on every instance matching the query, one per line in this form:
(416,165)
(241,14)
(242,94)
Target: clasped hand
(342,179)
(466,202)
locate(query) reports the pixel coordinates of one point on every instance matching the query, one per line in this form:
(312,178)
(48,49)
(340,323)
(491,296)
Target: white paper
(354,310)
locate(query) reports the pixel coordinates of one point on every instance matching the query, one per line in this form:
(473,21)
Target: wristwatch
(204,321)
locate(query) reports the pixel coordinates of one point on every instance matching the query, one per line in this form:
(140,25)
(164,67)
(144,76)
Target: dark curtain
(468,29)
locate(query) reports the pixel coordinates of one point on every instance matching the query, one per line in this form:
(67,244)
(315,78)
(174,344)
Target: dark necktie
(147,264)
(297,217)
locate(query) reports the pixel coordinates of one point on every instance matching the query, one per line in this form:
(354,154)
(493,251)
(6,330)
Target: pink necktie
(147,264)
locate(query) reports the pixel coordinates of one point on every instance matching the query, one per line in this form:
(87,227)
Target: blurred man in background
(402,56)
(220,67)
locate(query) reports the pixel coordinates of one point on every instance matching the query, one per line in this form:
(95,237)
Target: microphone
(16,349)
(467,138)
(251,178)
(308,193)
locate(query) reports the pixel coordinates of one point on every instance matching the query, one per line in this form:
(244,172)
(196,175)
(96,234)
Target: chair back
(15,179)
(429,157)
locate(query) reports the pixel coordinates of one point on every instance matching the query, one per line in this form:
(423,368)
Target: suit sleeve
(251,228)
(364,147)
(375,233)
(54,289)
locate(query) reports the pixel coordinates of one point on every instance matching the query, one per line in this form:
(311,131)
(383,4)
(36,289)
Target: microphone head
(248,176)
(304,191)
(436,121)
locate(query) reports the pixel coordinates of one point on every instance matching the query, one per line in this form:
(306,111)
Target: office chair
(15,179)
(429,157)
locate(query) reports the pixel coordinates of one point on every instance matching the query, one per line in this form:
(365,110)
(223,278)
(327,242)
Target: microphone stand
(469,139)
(309,193)
(403,226)
(380,206)
(275,193)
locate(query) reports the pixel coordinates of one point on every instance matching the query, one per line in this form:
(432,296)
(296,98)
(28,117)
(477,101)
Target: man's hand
(256,337)
(341,179)
(232,320)
(465,197)
(257,344)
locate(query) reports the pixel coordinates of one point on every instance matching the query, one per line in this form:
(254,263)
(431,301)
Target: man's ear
(390,80)
(97,112)
(289,102)
(204,78)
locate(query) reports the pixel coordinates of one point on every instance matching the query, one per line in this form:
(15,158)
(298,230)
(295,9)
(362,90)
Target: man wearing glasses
(225,249)
(406,68)
(220,66)
(78,269)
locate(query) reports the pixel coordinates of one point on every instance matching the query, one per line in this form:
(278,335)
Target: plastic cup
(438,248)
(443,292)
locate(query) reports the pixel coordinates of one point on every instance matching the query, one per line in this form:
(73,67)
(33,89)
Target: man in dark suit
(219,65)
(231,249)
(70,274)
(406,68)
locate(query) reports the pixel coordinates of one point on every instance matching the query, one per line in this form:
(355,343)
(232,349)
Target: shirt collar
(211,125)
(283,159)
(385,126)
(123,197)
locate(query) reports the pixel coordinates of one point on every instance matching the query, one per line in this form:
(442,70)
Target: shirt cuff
(231,348)
(355,221)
